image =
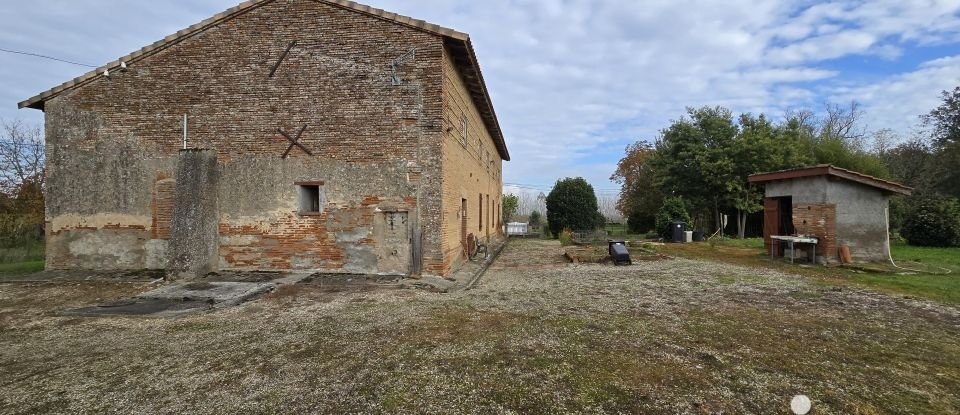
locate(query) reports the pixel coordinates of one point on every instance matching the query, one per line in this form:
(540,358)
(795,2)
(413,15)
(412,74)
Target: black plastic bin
(619,253)
(677,230)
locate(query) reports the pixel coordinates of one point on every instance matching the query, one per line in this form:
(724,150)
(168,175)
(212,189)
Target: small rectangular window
(464,124)
(311,197)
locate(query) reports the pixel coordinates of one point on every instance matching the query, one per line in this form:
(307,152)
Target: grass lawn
(944,288)
(25,267)
(927,284)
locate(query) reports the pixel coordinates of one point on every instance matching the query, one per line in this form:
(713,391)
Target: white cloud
(573,81)
(897,102)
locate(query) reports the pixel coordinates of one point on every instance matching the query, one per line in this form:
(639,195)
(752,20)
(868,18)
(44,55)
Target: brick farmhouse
(316,135)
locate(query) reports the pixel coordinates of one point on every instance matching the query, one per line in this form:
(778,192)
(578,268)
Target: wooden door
(771,223)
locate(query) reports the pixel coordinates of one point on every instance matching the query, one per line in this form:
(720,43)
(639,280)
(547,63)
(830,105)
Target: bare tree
(21,156)
(527,203)
(21,184)
(607,203)
(843,122)
(884,140)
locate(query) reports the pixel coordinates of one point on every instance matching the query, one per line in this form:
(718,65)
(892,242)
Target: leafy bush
(510,204)
(639,222)
(573,204)
(932,221)
(535,220)
(566,237)
(674,209)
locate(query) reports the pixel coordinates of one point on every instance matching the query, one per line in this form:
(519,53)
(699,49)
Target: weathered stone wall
(471,169)
(376,146)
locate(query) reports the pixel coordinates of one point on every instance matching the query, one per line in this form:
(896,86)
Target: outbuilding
(837,207)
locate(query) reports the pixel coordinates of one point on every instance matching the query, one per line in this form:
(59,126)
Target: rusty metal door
(392,231)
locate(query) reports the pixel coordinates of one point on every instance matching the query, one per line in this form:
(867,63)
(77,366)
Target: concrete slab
(141,308)
(214,293)
(352,279)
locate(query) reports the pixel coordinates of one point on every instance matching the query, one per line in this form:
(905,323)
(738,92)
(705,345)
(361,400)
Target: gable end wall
(112,144)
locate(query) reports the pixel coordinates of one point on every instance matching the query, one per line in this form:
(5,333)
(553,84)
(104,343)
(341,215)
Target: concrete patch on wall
(360,255)
(108,249)
(194,241)
(155,254)
(99,221)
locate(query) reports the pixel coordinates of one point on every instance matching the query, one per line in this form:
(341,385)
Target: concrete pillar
(193,248)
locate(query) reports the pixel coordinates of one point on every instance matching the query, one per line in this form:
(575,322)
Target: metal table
(792,241)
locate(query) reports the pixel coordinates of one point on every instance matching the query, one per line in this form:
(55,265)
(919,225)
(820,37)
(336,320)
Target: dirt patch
(537,335)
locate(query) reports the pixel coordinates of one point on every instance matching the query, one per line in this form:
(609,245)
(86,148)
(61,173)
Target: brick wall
(113,142)
(819,220)
(162,208)
(471,168)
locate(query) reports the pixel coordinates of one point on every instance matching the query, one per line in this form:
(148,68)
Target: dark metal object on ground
(619,253)
(474,247)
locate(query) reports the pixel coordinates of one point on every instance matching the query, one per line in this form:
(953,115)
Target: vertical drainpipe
(416,269)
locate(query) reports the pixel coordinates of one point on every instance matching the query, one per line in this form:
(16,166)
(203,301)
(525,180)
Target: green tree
(945,124)
(640,198)
(572,204)
(510,204)
(932,221)
(759,147)
(692,160)
(674,209)
(945,118)
(535,219)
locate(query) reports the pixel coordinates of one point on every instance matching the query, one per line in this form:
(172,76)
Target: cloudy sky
(575,81)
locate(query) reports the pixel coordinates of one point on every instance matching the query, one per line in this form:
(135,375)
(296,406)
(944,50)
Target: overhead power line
(18,52)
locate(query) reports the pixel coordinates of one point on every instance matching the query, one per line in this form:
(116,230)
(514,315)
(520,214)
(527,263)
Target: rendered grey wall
(803,190)
(861,219)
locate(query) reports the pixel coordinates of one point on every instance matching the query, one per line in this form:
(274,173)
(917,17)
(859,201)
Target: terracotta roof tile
(831,170)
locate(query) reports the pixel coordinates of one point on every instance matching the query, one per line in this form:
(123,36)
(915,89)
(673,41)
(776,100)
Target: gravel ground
(536,335)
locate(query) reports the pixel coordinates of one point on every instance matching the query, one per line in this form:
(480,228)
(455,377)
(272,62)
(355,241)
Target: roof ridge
(830,170)
(490,121)
(234,11)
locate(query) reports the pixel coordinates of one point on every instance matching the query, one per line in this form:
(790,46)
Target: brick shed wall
(471,167)
(112,144)
(818,219)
